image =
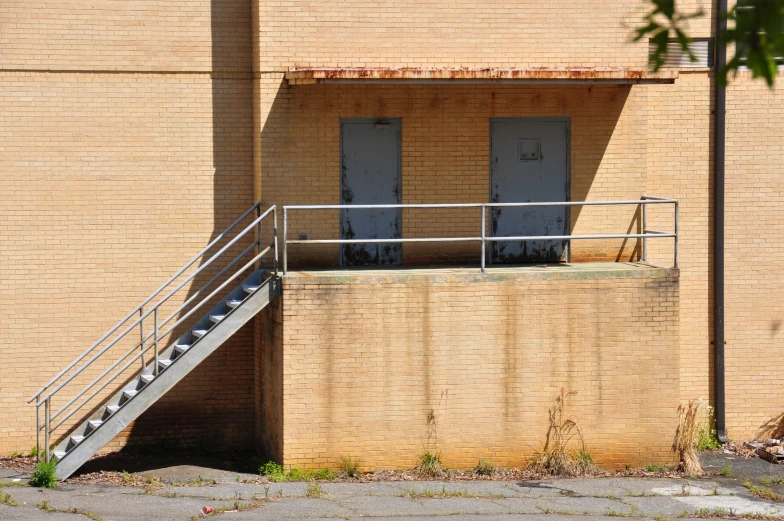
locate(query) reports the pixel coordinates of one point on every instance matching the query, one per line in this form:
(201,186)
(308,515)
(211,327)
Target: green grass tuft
(430,465)
(762,492)
(484,468)
(706,431)
(276,474)
(46,507)
(350,468)
(314,490)
(6,499)
(43,475)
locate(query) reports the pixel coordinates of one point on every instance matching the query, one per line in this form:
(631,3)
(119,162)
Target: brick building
(134,134)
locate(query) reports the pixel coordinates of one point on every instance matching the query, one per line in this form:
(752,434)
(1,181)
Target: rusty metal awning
(379,75)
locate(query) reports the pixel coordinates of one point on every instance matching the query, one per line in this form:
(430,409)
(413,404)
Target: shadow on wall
(212,408)
(772,428)
(445,158)
(603,109)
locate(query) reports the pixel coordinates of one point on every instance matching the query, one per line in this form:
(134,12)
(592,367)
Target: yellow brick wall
(445,151)
(125,146)
(449,33)
(131,133)
(368,359)
(679,159)
(143,35)
(754,293)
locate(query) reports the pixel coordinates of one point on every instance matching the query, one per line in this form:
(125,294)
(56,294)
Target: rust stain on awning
(310,75)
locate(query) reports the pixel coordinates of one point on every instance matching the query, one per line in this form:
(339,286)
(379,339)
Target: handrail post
(275,235)
(155,368)
(285,252)
(38,429)
(47,407)
(676,234)
(482,262)
(141,333)
(644,227)
(258,234)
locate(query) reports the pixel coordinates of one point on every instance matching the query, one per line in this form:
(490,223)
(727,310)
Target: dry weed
(685,443)
(556,459)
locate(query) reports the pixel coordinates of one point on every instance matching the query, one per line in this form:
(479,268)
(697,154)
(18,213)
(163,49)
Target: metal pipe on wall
(718,226)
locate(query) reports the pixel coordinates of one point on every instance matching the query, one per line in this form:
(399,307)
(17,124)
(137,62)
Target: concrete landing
(556,271)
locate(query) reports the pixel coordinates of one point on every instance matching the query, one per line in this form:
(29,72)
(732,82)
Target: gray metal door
(371,159)
(529,162)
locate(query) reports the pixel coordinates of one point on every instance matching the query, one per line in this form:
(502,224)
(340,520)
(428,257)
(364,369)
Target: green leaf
(659,33)
(685,43)
(660,40)
(665,7)
(643,31)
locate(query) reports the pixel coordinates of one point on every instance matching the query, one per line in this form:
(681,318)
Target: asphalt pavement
(659,499)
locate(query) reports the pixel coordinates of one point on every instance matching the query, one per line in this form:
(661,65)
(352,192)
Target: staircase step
(250,288)
(110,419)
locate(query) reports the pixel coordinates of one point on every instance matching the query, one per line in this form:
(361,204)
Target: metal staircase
(120,390)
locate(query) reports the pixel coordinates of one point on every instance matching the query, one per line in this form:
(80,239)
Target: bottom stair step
(59,454)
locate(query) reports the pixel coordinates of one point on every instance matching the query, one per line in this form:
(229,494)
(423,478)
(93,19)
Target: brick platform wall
(382,367)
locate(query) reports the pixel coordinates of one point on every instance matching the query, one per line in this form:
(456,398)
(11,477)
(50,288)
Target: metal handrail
(182,306)
(160,302)
(141,353)
(155,336)
(148,299)
(643,202)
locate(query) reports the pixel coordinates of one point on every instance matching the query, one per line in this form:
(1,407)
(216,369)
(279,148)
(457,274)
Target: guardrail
(483,238)
(151,341)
